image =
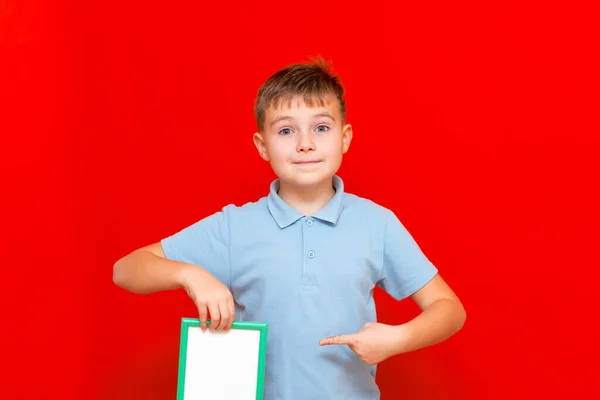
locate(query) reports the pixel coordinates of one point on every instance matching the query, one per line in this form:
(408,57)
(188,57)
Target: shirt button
(309,222)
(311,254)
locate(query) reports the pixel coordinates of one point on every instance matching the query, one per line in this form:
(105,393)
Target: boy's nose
(305,142)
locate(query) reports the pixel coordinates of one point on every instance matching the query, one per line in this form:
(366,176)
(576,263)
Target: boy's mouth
(307,162)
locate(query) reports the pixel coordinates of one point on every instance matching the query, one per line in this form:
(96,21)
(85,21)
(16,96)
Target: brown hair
(312,81)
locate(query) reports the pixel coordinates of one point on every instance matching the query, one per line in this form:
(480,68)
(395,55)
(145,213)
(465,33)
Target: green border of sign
(186,323)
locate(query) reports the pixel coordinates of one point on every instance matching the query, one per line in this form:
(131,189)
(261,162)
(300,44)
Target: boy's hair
(313,81)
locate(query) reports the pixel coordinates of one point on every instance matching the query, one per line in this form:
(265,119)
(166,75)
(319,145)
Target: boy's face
(303,144)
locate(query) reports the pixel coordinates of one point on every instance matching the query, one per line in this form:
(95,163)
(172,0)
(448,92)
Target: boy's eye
(285,131)
(322,128)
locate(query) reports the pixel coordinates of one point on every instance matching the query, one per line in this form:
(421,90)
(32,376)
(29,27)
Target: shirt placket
(309,254)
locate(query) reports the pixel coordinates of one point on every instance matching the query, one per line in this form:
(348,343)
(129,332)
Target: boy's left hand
(373,343)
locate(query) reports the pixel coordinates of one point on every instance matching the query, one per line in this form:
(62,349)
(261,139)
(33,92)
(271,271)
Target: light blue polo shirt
(308,277)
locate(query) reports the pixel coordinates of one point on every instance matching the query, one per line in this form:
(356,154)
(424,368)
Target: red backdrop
(122,122)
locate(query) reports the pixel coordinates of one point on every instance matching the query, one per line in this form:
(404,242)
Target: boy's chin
(308,180)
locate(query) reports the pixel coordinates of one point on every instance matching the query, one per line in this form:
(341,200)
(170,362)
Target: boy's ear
(259,142)
(346,138)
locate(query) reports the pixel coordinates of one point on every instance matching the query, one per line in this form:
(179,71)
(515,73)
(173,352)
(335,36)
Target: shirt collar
(285,215)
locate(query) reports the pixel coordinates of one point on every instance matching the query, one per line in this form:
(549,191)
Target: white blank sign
(222,365)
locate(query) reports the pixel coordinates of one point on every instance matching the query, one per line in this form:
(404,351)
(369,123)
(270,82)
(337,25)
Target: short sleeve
(405,268)
(205,243)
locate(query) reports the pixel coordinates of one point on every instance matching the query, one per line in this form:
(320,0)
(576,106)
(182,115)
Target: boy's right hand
(209,295)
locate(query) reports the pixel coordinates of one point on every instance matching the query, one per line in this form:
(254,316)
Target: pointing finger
(339,339)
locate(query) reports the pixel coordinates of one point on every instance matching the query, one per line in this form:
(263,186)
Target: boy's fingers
(339,339)
(215,316)
(231,312)
(202,314)
(224,312)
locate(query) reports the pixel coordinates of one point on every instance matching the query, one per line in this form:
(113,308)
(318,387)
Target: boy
(305,258)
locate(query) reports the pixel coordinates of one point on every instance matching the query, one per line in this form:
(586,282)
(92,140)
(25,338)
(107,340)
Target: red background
(477,123)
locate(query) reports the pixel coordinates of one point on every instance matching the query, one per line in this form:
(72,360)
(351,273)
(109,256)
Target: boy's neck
(307,200)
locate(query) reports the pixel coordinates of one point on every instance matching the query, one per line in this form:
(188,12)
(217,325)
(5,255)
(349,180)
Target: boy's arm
(147,270)
(442,316)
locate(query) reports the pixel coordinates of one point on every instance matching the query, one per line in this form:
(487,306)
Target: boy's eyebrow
(282,117)
(325,114)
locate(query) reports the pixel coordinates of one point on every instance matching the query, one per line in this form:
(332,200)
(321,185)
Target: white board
(221,365)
